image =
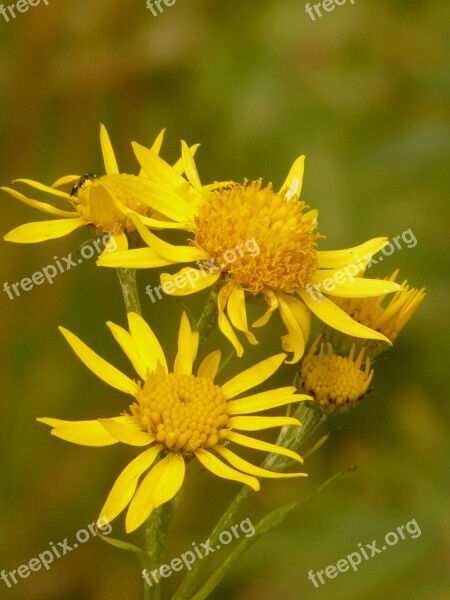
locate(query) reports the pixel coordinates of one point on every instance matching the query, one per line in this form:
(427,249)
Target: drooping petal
(249,442)
(159,486)
(125,485)
(335,317)
(265,400)
(246,467)
(49,189)
(146,342)
(85,433)
(125,341)
(128,431)
(294,180)
(252,377)
(185,356)
(216,466)
(238,314)
(335,259)
(187,281)
(108,153)
(99,366)
(224,324)
(295,337)
(272,301)
(41,231)
(42,206)
(209,365)
(257,423)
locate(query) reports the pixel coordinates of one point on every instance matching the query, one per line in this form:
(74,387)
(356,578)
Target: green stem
(127,278)
(235,511)
(208,318)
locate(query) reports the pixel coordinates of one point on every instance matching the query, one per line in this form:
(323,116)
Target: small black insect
(85,177)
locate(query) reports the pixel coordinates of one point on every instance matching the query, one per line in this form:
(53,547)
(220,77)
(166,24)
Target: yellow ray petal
(108,153)
(139,258)
(216,466)
(128,432)
(146,342)
(118,242)
(252,377)
(156,146)
(159,486)
(301,314)
(335,259)
(265,400)
(99,366)
(148,221)
(64,180)
(125,341)
(335,317)
(246,467)
(272,301)
(187,281)
(85,433)
(294,180)
(237,313)
(156,168)
(125,485)
(185,356)
(358,287)
(42,206)
(190,167)
(209,365)
(179,165)
(249,442)
(45,188)
(257,423)
(101,204)
(224,324)
(296,339)
(41,231)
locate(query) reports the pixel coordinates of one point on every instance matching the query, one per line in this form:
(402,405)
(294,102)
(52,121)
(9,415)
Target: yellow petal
(148,221)
(237,313)
(45,188)
(249,442)
(216,466)
(156,146)
(128,431)
(187,281)
(125,485)
(296,339)
(179,165)
(159,486)
(257,423)
(252,377)
(43,206)
(125,341)
(190,167)
(185,356)
(335,259)
(224,324)
(108,153)
(294,180)
(43,230)
(85,433)
(101,204)
(357,287)
(209,365)
(146,342)
(139,258)
(335,317)
(98,365)
(272,301)
(156,168)
(265,400)
(247,467)
(118,242)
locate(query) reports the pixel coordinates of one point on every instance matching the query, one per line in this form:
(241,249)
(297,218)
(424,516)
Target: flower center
(183,411)
(335,382)
(95,203)
(258,237)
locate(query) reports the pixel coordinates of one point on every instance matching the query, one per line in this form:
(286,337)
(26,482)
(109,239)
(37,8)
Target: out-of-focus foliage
(361,92)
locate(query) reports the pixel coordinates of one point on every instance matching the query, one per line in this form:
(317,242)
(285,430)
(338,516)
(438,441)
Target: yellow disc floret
(335,382)
(229,218)
(184,412)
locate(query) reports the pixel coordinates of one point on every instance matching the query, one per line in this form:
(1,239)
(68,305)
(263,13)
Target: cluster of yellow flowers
(179,415)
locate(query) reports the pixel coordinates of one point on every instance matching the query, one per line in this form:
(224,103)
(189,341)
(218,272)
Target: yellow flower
(286,270)
(388,319)
(99,201)
(178,415)
(335,382)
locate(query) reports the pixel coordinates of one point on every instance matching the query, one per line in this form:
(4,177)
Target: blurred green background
(361,93)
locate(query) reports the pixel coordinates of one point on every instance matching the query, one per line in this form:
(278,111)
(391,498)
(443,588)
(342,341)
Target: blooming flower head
(335,382)
(286,270)
(95,200)
(176,416)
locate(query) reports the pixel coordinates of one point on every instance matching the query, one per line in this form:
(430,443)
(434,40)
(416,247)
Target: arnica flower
(390,317)
(335,382)
(98,201)
(286,269)
(178,416)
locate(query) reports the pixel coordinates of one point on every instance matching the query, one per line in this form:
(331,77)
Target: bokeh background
(361,92)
